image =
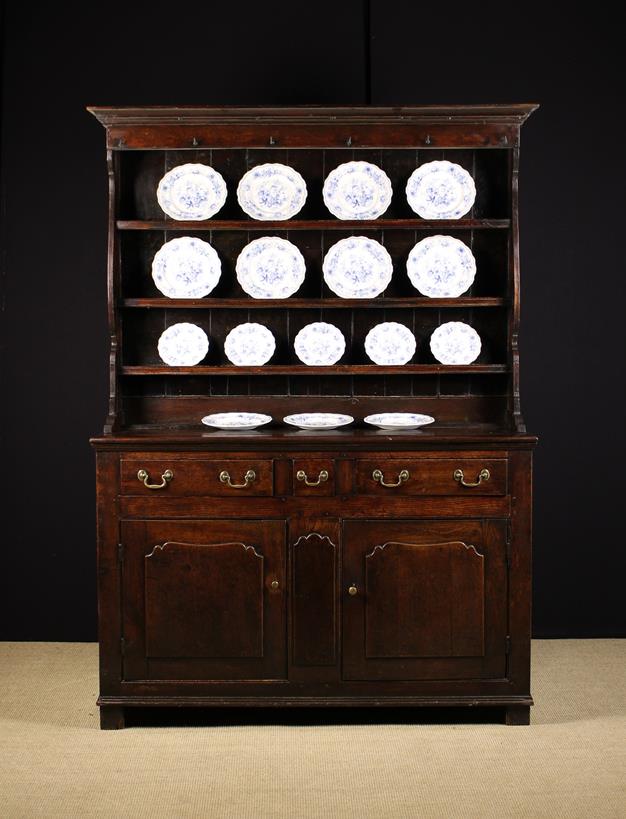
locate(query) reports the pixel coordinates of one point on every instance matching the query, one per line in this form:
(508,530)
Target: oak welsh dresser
(368,587)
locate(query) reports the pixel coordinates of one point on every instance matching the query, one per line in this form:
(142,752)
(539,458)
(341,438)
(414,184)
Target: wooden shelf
(303,369)
(322,303)
(316,224)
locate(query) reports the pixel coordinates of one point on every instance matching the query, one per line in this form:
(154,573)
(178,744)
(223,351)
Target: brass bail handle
(321,478)
(166,477)
(403,476)
(248,478)
(483,475)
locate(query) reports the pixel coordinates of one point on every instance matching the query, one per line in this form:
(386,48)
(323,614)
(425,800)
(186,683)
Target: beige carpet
(571,762)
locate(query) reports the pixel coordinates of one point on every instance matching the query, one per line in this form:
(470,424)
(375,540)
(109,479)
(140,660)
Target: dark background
(60,57)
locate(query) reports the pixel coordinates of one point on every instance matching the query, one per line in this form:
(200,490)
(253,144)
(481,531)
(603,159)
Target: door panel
(424,599)
(198,600)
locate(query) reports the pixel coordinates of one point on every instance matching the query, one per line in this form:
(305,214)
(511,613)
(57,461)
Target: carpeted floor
(571,761)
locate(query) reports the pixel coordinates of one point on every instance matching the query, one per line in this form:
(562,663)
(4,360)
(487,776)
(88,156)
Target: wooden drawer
(195,476)
(431,476)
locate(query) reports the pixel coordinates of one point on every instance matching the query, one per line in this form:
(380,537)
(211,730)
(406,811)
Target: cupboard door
(203,599)
(424,599)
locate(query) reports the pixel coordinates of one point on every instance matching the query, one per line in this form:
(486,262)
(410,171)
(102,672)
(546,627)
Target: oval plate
(440,190)
(192,192)
(357,190)
(271,192)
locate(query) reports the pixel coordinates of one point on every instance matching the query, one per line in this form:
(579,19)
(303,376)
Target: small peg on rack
(428,140)
(121,142)
(349,141)
(195,142)
(504,139)
(272,141)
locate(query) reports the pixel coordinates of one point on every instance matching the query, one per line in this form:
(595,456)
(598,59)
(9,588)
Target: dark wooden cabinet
(313,573)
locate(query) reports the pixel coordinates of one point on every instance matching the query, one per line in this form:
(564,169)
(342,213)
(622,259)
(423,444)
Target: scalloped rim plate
(441,267)
(270,268)
(271,192)
(440,190)
(357,190)
(186,268)
(398,420)
(455,343)
(390,343)
(249,345)
(192,192)
(183,345)
(319,344)
(238,421)
(318,420)
(346,272)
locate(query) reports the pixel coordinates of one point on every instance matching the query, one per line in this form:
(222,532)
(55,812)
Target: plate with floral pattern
(455,343)
(390,343)
(318,420)
(398,420)
(183,345)
(357,268)
(249,345)
(440,190)
(319,344)
(441,267)
(270,268)
(236,421)
(271,192)
(192,192)
(186,268)
(357,190)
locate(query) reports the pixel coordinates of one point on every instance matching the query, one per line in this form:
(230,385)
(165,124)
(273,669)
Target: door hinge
(507,644)
(120,552)
(508,546)
(122,646)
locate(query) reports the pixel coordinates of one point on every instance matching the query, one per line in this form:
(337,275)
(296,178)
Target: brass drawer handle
(248,478)
(166,477)
(483,475)
(321,478)
(403,476)
(352,590)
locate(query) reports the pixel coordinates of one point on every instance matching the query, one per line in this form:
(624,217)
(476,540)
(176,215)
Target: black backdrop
(60,57)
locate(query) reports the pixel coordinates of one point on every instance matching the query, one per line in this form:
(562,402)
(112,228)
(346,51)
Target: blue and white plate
(249,345)
(390,343)
(270,268)
(318,420)
(440,190)
(357,268)
(192,192)
(186,268)
(357,190)
(236,421)
(441,267)
(398,420)
(271,192)
(183,345)
(319,344)
(455,343)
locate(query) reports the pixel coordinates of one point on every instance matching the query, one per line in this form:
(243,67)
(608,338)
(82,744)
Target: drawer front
(434,476)
(313,477)
(248,477)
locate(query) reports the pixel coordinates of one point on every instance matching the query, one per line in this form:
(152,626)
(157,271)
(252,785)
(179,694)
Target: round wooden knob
(352,590)
(274,584)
